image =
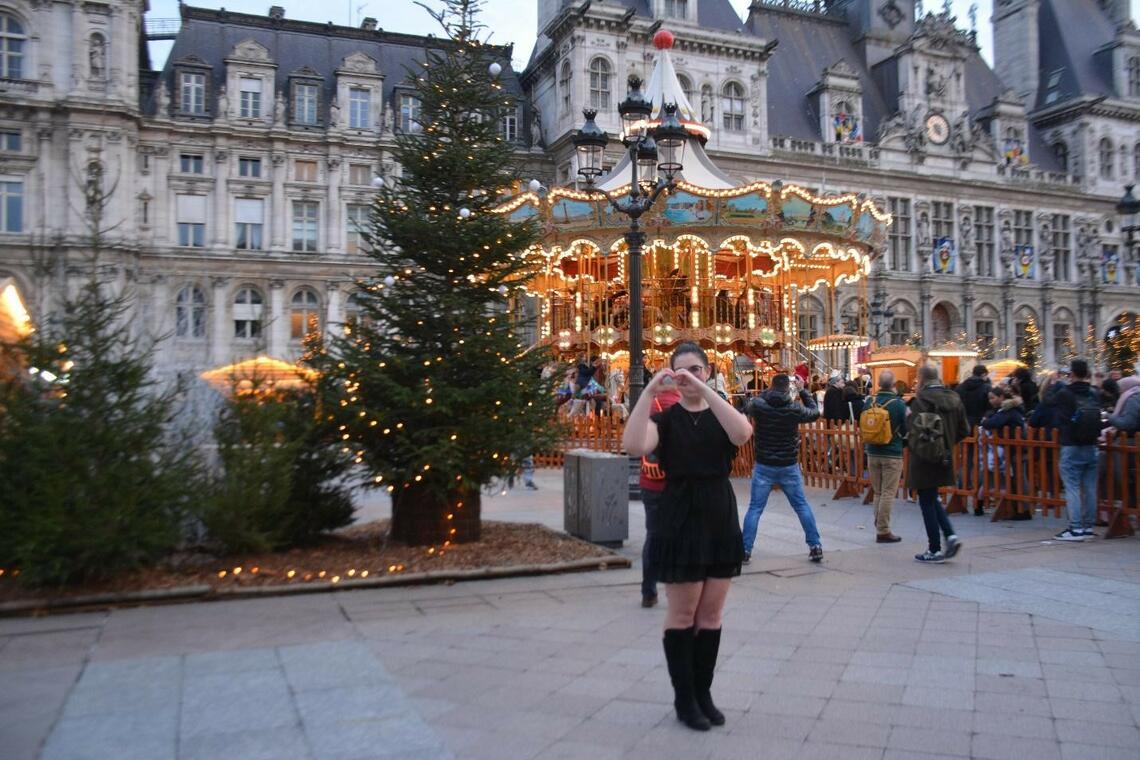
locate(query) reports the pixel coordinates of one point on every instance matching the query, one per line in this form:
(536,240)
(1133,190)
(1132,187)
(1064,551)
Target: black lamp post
(652,150)
(880,316)
(1128,207)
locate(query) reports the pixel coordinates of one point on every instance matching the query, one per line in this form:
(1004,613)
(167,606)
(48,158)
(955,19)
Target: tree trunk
(420,517)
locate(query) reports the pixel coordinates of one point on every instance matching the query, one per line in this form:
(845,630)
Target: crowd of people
(687,433)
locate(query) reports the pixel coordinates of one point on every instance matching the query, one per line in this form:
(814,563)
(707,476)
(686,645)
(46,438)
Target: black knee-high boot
(678,644)
(706,645)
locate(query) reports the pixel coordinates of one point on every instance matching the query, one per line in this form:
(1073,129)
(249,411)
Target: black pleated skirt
(699,531)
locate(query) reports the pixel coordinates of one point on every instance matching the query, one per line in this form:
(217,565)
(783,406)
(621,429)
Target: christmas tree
(432,390)
(1029,350)
(1122,345)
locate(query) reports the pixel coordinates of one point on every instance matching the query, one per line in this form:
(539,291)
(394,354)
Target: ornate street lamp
(653,151)
(646,144)
(1128,207)
(880,316)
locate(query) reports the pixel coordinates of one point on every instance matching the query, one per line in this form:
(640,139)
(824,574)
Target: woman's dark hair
(1022,374)
(688,347)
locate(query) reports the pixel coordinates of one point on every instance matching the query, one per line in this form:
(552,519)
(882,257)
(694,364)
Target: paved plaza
(1020,648)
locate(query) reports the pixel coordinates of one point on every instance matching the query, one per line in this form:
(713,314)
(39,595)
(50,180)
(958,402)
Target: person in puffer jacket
(777,415)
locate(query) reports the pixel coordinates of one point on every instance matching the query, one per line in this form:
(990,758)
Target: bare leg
(711,604)
(683,599)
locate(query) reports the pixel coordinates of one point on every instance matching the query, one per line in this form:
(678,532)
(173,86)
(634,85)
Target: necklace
(696,418)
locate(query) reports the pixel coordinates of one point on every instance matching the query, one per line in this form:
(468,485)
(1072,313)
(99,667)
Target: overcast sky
(506,20)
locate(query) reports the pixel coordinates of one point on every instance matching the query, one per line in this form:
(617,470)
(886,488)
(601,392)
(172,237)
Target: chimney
(276,12)
(368,24)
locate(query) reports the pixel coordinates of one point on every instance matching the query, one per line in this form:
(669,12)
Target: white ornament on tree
(389,281)
(534,186)
(502,290)
(494,70)
(464,212)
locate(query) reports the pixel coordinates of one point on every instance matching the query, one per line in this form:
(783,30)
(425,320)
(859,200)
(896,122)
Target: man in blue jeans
(777,414)
(1079,418)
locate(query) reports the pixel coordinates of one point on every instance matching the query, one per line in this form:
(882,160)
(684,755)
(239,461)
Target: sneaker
(649,601)
(1071,534)
(953,546)
(816,554)
(930,557)
(1088,533)
(530,484)
(747,558)
(979,512)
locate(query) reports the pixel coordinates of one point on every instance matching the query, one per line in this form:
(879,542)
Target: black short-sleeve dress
(699,527)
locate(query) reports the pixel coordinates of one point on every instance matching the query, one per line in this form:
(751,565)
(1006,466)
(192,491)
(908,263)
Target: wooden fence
(1009,472)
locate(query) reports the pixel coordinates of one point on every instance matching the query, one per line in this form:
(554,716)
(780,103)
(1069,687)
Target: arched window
(1064,336)
(854,316)
(248,311)
(1107,158)
(686,87)
(97,56)
(600,74)
(564,80)
(12,41)
(732,106)
(809,320)
(985,330)
(1061,153)
(903,323)
(304,314)
(1134,76)
(190,313)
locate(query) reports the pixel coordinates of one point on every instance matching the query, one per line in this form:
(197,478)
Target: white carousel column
(222,335)
(278,320)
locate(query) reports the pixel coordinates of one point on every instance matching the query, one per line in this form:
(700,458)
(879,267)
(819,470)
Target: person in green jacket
(884,461)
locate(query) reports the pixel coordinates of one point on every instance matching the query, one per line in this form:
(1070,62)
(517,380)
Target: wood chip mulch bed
(353,556)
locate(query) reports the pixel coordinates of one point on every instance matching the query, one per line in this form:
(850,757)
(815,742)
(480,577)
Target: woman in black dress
(698,545)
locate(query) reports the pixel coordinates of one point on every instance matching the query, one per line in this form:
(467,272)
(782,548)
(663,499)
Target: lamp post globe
(635,111)
(590,144)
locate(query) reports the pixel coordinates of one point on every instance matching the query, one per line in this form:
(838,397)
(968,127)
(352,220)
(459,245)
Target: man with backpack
(936,424)
(1078,412)
(881,426)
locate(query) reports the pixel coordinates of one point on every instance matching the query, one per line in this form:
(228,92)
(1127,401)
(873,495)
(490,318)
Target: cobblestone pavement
(1020,648)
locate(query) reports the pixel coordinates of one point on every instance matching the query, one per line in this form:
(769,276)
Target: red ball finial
(663,40)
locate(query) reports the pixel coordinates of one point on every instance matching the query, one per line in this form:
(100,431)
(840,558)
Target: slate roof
(808,45)
(212,34)
(1070,34)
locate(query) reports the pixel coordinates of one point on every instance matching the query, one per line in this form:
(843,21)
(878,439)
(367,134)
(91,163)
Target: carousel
(723,264)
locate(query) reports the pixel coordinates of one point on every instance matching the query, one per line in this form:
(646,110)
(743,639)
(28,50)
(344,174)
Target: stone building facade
(862,96)
(237,172)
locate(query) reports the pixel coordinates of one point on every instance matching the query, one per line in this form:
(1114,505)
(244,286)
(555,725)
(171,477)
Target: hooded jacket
(1126,416)
(776,440)
(974,392)
(944,402)
(1066,400)
(1008,418)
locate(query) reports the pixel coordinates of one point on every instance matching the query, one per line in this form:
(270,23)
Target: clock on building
(937,129)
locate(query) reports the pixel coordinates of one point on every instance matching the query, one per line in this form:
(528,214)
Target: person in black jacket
(974,392)
(1080,464)
(835,406)
(1025,386)
(778,413)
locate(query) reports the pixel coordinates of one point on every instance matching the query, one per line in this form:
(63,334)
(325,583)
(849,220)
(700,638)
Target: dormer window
(305,98)
(359,108)
(410,114)
(250,106)
(1134,76)
(192,86)
(677,9)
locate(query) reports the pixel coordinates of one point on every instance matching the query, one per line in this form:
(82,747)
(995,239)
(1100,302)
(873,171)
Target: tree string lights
(419,383)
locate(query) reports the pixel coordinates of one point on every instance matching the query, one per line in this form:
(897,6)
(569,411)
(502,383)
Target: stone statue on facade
(279,109)
(97,57)
(162,99)
(223,103)
(536,138)
(334,113)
